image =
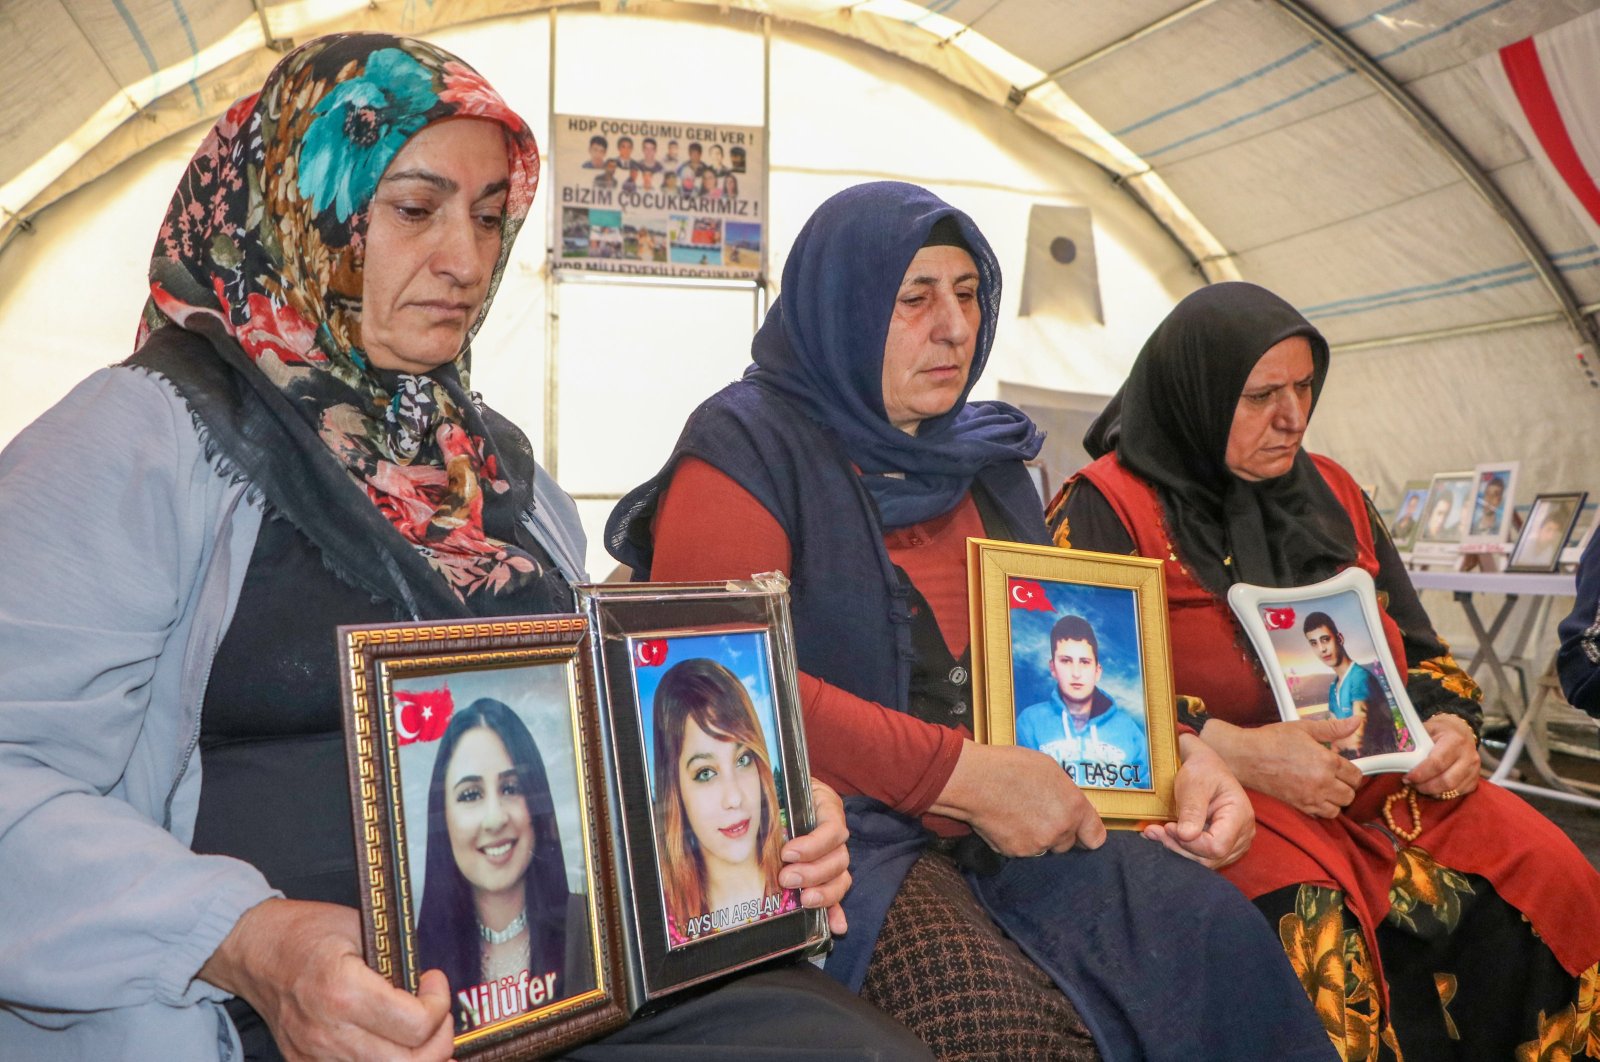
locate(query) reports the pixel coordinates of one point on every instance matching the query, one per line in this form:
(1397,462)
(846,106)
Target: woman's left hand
(1215,820)
(818,864)
(1452,764)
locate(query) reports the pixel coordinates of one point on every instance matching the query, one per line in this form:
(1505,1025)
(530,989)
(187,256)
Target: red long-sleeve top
(709,527)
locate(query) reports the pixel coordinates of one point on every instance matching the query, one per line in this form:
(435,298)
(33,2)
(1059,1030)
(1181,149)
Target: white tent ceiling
(1345,153)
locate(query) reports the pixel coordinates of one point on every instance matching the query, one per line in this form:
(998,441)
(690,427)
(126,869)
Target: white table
(1524,711)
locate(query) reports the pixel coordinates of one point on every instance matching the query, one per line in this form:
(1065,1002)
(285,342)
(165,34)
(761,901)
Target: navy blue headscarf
(822,345)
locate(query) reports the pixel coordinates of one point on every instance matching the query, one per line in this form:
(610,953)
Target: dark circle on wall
(1063,250)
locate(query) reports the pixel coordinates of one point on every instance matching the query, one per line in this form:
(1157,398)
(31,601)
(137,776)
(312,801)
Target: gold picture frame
(1116,655)
(433,710)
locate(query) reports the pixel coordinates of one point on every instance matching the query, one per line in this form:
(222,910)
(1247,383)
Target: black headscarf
(1170,422)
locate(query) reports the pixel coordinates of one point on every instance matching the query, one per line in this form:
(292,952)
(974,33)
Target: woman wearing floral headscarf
(293,446)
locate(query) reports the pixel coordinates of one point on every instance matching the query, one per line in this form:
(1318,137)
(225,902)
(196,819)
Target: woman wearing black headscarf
(849,458)
(1445,926)
(294,446)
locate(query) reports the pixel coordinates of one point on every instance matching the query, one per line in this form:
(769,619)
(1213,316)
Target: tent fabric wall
(636,355)
(1259,146)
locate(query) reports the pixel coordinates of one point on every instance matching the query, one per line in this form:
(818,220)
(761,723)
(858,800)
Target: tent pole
(1116,45)
(1446,143)
(552,286)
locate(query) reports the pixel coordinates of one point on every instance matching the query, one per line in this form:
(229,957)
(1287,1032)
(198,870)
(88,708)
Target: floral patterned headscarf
(265,238)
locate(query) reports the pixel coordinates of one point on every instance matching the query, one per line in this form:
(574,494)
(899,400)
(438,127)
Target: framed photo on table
(1325,656)
(1444,518)
(478,798)
(1407,519)
(1070,657)
(1493,500)
(707,766)
(1549,525)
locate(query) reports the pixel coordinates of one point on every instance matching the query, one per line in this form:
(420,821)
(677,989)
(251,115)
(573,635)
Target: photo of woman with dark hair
(719,825)
(496,913)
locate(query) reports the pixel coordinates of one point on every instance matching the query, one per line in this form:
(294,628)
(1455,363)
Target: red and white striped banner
(1548,87)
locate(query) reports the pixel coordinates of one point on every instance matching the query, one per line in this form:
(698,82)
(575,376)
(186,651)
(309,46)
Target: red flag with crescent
(1029,596)
(422,715)
(652,652)
(1278,619)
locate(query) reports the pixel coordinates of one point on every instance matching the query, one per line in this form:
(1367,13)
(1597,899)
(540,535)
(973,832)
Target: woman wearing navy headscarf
(990,910)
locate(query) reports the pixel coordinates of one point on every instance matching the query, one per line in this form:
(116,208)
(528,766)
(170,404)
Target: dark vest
(851,608)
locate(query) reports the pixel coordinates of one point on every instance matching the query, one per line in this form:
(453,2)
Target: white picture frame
(1489,522)
(1284,629)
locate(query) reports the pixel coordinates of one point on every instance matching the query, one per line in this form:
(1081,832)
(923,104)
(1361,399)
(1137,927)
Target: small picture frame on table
(705,756)
(1444,518)
(1549,525)
(478,802)
(1325,656)
(1493,501)
(1407,519)
(1070,657)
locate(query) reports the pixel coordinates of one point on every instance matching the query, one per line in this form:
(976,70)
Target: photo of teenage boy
(648,167)
(625,161)
(597,153)
(736,154)
(1080,726)
(1354,693)
(692,169)
(608,177)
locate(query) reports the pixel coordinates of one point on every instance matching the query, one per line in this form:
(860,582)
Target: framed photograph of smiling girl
(708,770)
(479,808)
(1325,655)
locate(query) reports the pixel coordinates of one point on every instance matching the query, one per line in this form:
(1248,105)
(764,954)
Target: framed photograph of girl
(708,769)
(1326,654)
(1070,658)
(478,799)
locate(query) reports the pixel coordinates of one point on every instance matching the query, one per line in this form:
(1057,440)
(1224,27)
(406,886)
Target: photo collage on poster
(659,198)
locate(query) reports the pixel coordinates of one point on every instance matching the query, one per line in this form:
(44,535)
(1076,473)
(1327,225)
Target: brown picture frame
(399,681)
(1020,596)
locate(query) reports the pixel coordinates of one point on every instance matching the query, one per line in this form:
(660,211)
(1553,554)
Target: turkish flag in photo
(1029,596)
(422,715)
(650,652)
(1278,619)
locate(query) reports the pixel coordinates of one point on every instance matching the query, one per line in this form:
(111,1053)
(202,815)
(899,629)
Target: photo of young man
(597,153)
(1098,742)
(1354,693)
(648,167)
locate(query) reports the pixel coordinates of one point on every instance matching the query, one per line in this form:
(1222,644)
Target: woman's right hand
(299,964)
(1020,801)
(1291,761)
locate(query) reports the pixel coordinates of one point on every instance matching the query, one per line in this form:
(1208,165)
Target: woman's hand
(299,964)
(1291,761)
(1020,801)
(1215,820)
(1453,761)
(819,862)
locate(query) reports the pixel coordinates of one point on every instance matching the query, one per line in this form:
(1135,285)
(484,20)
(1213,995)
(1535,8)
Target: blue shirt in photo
(1110,750)
(1345,692)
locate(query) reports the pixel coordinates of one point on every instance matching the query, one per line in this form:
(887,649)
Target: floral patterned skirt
(1467,977)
